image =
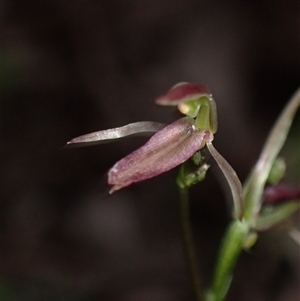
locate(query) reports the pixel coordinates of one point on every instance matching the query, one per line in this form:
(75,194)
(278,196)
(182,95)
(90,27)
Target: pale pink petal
(168,148)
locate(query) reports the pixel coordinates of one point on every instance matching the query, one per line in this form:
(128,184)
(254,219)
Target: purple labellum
(183,92)
(165,150)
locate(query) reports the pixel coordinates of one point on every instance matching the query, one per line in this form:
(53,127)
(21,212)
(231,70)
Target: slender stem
(188,243)
(229,252)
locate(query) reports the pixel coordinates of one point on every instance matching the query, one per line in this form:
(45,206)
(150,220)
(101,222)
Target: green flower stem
(230,249)
(188,243)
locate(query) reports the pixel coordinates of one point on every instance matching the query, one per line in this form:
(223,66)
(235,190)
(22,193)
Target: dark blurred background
(73,67)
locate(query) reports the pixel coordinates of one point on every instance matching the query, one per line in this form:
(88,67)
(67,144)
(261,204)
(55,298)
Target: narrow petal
(165,150)
(130,129)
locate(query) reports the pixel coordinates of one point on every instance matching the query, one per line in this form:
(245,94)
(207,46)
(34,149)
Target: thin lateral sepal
(232,179)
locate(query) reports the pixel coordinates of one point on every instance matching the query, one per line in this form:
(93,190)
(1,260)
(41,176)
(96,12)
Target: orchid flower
(175,144)
(171,145)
